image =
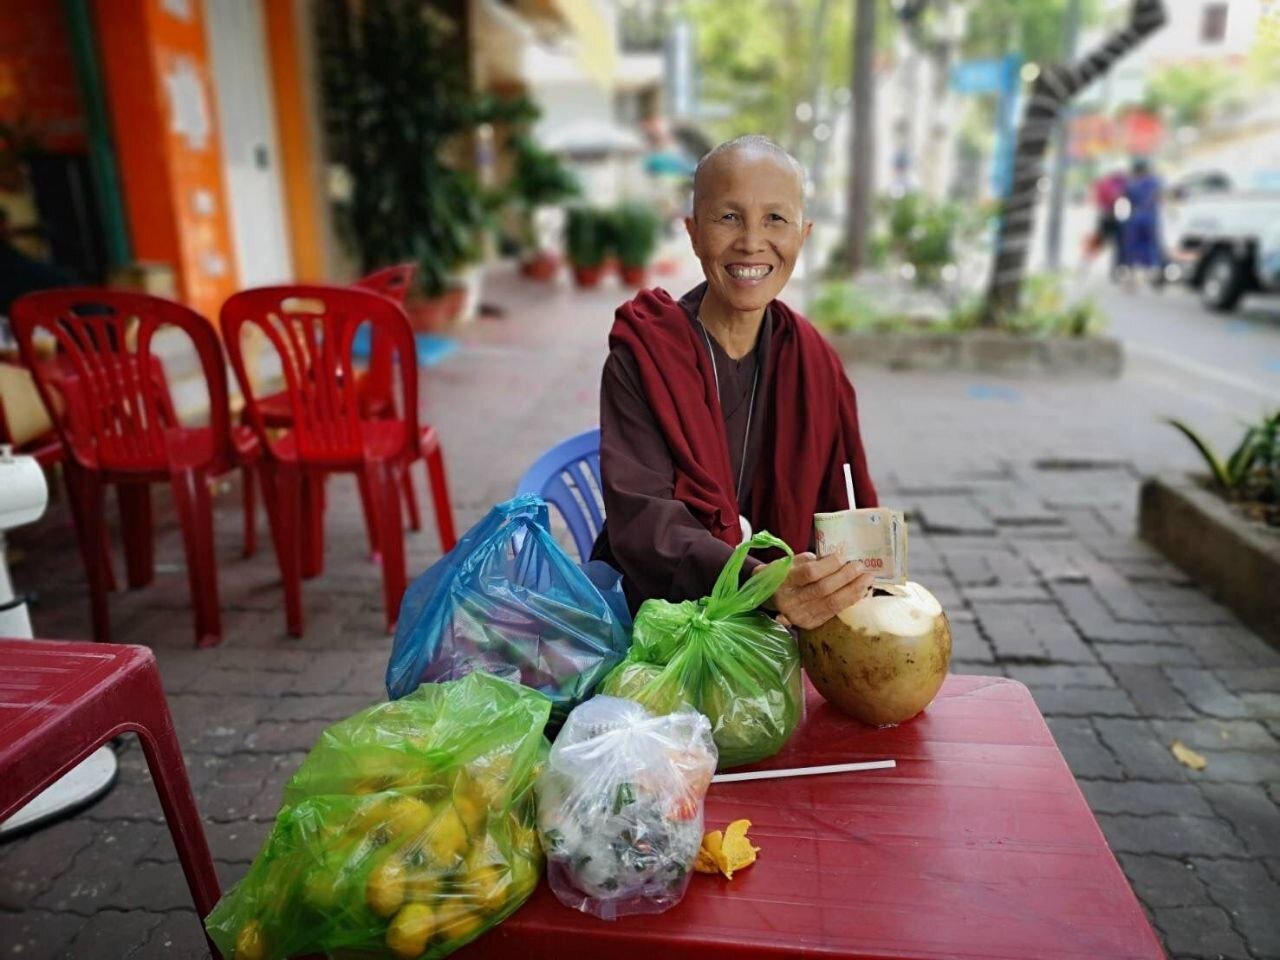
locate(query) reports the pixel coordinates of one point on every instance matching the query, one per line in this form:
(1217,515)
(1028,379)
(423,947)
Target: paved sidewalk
(1023,498)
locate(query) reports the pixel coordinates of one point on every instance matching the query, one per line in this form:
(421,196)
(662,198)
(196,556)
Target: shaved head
(752,144)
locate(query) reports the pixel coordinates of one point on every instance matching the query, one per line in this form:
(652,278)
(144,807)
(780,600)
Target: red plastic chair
(60,701)
(47,451)
(377,399)
(120,427)
(312,329)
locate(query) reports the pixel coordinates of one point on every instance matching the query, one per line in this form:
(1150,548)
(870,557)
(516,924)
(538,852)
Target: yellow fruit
(422,886)
(456,919)
(410,930)
(472,811)
(250,944)
(385,891)
(483,883)
(447,838)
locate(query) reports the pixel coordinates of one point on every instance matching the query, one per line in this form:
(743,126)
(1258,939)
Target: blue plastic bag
(509,601)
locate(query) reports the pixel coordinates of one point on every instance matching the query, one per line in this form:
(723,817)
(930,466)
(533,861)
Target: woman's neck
(735,330)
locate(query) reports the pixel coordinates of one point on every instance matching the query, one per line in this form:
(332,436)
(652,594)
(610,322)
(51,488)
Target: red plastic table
(60,701)
(978,844)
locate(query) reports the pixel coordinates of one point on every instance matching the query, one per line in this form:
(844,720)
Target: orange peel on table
(726,852)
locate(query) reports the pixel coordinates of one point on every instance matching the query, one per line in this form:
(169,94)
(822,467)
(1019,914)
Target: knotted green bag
(722,656)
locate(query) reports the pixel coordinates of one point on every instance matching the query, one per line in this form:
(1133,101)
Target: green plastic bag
(407,832)
(723,657)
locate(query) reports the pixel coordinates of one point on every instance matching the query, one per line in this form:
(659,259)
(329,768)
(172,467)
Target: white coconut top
(909,611)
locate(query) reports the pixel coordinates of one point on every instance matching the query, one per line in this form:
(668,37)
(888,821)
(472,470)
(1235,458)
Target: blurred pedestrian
(1107,192)
(1140,231)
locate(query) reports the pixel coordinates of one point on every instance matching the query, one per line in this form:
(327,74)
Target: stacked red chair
(312,330)
(106,393)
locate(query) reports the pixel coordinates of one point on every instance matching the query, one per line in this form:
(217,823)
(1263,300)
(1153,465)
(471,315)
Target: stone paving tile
(1031,632)
(1150,689)
(1170,835)
(1207,693)
(1248,893)
(1142,797)
(1205,933)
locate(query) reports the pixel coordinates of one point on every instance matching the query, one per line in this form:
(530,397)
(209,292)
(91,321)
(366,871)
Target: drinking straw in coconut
(848,487)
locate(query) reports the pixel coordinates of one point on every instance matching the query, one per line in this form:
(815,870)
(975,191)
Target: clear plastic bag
(620,806)
(509,601)
(407,832)
(723,657)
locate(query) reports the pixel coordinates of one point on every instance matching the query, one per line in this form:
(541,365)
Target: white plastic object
(620,806)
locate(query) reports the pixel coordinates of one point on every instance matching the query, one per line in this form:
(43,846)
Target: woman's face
(748,227)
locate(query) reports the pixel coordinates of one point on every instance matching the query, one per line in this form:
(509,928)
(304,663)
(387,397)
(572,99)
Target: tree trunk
(862,159)
(1056,85)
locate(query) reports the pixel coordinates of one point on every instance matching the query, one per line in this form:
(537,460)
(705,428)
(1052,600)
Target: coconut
(883,659)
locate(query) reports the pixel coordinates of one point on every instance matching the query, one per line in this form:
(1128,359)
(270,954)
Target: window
(1213,23)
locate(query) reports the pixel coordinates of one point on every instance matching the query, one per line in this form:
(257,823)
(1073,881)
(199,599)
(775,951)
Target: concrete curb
(1234,560)
(1004,354)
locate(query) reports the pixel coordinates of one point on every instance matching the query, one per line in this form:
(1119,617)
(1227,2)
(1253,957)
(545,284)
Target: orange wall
(298,164)
(172,178)
(37,74)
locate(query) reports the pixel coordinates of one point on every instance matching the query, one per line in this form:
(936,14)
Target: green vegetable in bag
(722,656)
(407,832)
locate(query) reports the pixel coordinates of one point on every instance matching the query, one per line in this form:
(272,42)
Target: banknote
(875,536)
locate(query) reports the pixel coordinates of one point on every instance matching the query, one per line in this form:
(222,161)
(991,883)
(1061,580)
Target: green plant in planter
(538,179)
(636,228)
(588,236)
(396,104)
(1252,470)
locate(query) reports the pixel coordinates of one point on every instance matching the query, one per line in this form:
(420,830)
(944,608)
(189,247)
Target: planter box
(1234,559)
(1003,354)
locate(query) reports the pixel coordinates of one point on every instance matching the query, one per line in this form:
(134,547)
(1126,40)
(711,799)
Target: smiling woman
(726,410)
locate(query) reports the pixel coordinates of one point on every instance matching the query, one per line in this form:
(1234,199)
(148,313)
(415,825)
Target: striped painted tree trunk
(1056,85)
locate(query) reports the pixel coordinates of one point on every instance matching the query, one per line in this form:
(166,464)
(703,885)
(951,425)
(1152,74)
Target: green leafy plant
(588,236)
(1045,312)
(922,233)
(538,179)
(842,305)
(635,234)
(397,107)
(1251,472)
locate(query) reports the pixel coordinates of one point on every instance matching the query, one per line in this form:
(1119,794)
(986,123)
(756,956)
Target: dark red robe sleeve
(650,537)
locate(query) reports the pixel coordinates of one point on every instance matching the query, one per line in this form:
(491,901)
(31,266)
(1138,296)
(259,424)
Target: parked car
(1227,244)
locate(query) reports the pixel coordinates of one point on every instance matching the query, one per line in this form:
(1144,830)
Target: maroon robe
(672,452)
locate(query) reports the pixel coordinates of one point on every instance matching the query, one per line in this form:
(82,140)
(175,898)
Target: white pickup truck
(1228,244)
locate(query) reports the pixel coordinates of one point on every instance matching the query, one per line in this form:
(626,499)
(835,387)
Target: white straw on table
(803,771)
(848,487)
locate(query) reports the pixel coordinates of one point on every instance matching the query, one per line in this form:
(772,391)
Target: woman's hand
(817,589)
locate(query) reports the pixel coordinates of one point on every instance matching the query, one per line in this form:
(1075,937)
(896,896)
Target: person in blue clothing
(1140,233)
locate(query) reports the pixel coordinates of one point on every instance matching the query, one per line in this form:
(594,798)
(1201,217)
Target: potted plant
(404,199)
(636,229)
(539,179)
(587,243)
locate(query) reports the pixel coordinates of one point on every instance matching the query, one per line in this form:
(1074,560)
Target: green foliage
(588,235)
(1251,472)
(1030,27)
(635,234)
(760,58)
(843,305)
(396,101)
(922,233)
(1190,94)
(538,179)
(1047,312)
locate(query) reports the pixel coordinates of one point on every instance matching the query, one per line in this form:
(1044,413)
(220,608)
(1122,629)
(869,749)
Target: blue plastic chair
(568,477)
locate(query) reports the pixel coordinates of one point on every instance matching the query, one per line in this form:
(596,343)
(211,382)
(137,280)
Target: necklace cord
(751,408)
